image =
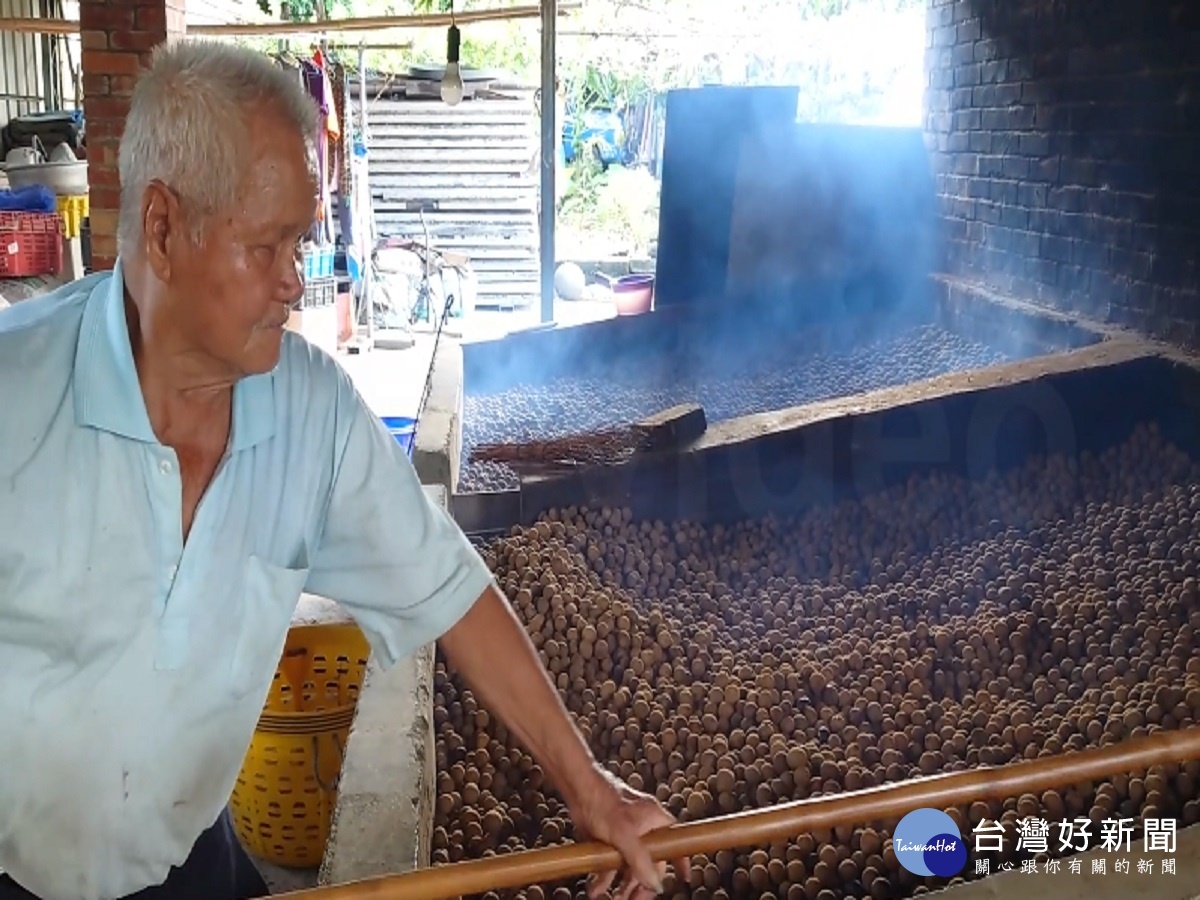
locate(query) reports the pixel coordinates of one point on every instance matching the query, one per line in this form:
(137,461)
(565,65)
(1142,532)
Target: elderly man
(175,470)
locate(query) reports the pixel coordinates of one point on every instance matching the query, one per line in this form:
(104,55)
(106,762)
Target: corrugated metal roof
(478,161)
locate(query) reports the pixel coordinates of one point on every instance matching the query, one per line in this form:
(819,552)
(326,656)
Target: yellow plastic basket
(286,792)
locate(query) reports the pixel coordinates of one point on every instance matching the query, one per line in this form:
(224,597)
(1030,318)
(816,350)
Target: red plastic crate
(30,244)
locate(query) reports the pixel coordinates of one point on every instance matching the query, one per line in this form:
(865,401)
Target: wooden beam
(329,26)
(672,427)
(350,45)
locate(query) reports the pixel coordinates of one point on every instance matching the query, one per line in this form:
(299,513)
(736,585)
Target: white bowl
(66,179)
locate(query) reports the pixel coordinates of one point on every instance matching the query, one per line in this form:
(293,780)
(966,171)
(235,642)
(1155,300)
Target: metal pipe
(549,157)
(786,821)
(367,215)
(51,82)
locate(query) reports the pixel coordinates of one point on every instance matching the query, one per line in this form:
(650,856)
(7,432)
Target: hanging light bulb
(452,85)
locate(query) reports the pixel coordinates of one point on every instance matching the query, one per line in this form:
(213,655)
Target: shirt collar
(108,395)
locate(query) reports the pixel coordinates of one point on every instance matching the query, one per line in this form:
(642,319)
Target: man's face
(231,292)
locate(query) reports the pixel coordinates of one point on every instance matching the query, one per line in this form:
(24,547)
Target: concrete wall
(437,444)
(1064,135)
(383,823)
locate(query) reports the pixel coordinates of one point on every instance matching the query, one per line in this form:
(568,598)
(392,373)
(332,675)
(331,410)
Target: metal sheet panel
(23,64)
(478,160)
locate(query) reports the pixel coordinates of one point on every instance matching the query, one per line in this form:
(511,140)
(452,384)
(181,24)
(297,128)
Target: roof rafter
(329,26)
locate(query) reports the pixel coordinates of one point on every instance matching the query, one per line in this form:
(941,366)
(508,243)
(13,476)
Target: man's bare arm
(490,649)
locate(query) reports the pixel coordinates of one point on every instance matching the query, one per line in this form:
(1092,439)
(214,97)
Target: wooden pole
(331,26)
(321,16)
(786,821)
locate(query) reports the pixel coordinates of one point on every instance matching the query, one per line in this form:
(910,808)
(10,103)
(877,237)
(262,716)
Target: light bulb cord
(452,86)
(453,38)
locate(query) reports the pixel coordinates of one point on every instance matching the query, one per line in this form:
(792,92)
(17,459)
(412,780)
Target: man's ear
(162,227)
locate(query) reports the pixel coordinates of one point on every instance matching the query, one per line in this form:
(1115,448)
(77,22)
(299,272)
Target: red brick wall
(117,37)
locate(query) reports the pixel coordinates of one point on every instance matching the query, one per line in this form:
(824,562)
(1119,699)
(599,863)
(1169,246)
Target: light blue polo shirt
(133,668)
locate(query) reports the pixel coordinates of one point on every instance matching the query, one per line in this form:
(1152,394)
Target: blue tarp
(35,198)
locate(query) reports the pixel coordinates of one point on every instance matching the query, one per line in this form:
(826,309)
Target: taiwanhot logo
(927,843)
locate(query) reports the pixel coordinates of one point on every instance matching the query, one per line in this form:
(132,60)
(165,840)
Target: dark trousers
(217,869)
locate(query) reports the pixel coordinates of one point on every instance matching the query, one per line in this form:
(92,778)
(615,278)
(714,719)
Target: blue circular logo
(928,843)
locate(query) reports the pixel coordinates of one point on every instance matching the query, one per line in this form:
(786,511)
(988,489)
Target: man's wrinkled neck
(174,374)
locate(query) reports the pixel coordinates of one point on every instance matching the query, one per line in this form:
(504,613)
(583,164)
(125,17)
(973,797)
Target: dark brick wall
(1066,146)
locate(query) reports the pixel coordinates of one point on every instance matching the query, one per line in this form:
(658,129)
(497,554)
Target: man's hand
(608,810)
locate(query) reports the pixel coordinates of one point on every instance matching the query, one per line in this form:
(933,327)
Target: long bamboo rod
(783,822)
(26,25)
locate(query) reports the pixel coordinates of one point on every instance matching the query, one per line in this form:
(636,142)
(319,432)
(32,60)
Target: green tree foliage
(305,10)
(634,45)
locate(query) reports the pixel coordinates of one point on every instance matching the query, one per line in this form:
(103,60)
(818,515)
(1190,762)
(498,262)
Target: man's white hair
(189,124)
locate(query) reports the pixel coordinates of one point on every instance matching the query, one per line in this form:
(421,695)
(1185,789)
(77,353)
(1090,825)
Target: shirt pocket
(268,602)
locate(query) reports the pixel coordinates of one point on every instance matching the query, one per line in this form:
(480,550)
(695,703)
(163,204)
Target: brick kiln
(928,528)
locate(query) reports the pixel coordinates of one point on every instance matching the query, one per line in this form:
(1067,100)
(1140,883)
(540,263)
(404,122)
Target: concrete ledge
(615,266)
(383,823)
(384,817)
(437,444)
(980,313)
(1015,327)
(1111,885)
(963,423)
(487,512)
(1027,371)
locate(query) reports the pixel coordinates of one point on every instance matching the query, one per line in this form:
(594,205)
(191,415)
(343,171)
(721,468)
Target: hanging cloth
(314,82)
(332,117)
(341,161)
(317,83)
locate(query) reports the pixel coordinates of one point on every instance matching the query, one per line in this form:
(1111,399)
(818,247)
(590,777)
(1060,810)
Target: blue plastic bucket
(403,429)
